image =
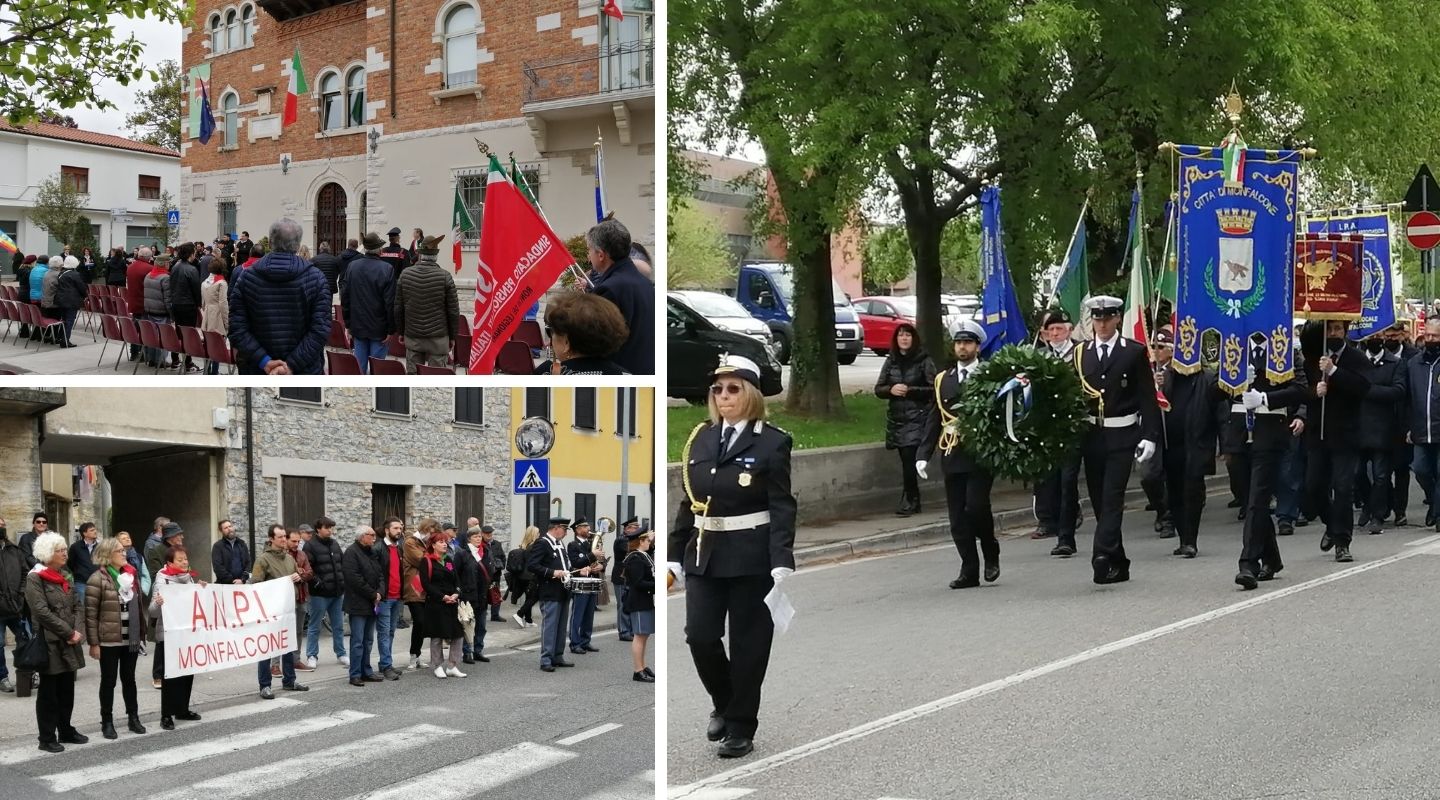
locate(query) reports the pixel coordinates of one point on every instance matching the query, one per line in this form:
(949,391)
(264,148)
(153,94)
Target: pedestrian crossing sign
(172,217)
(532,476)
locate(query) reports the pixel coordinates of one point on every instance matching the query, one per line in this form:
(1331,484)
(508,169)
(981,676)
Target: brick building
(399,92)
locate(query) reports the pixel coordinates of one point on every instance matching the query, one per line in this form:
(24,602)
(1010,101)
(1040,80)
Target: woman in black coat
(907,381)
(115,267)
(639,602)
(441,584)
(70,290)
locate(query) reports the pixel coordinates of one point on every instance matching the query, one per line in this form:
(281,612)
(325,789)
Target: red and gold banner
(1329,274)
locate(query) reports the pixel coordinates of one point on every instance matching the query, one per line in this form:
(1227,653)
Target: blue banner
(1236,246)
(1377,290)
(1004,324)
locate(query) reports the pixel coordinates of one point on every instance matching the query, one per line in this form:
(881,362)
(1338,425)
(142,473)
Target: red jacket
(135,285)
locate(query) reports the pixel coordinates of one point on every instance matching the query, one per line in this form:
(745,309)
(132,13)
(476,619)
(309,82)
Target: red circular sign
(1423,230)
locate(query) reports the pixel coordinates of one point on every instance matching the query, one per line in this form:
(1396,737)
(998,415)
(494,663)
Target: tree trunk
(925,231)
(814,373)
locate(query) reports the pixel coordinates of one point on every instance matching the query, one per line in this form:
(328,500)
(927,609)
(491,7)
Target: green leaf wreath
(1052,428)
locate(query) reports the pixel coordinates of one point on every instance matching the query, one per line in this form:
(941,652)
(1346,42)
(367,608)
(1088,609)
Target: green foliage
(57,54)
(59,210)
(163,207)
(865,424)
(159,109)
(696,256)
(889,259)
(1053,426)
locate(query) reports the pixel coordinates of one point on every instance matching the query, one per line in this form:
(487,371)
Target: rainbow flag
(8,245)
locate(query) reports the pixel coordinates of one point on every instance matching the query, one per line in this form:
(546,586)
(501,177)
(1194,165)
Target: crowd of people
(274,300)
(101,596)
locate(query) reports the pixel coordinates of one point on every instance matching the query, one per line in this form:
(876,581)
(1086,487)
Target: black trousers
(527,608)
(967,496)
(157,664)
(1376,467)
(54,703)
(1400,458)
(1156,490)
(734,680)
(417,628)
(1107,475)
(1330,479)
(1185,495)
(1057,501)
(1259,543)
(909,478)
(174,692)
(117,662)
(1238,469)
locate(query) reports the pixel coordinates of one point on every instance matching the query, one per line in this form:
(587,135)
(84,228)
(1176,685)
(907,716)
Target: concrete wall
(186,487)
(19,472)
(163,416)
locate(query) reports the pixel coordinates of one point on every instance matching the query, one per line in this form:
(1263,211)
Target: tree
(696,256)
(58,54)
(887,260)
(53,117)
(60,211)
(163,207)
(159,109)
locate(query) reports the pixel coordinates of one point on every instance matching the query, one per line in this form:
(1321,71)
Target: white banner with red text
(219,626)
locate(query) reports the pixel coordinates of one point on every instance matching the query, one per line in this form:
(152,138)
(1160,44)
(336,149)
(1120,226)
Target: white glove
(1252,399)
(678,570)
(1144,451)
(780,574)
(920,468)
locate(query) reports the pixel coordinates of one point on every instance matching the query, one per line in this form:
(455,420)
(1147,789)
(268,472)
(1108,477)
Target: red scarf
(51,576)
(172,571)
(157,271)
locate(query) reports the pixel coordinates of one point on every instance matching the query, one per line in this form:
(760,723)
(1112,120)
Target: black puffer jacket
(367,299)
(364,578)
(280,308)
(325,560)
(329,266)
(905,418)
(426,306)
(70,290)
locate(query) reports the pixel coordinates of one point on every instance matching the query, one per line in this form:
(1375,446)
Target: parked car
(767,289)
(879,316)
(695,345)
(725,313)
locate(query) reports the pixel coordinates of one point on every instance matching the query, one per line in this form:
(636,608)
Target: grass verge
(866,424)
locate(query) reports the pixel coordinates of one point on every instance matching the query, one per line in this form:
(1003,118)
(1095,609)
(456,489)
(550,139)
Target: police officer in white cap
(1124,428)
(735,537)
(967,484)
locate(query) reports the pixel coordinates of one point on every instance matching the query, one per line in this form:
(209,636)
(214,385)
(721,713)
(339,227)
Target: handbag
(32,655)
(466,613)
(495,597)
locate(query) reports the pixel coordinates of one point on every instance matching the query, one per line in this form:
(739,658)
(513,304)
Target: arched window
(332,115)
(232,30)
(247,26)
(355,97)
(217,34)
(460,53)
(231,106)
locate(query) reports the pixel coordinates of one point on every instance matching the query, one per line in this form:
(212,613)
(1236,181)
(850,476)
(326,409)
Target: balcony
(619,77)
(285,10)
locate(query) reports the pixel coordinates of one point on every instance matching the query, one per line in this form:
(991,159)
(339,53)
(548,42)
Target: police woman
(735,536)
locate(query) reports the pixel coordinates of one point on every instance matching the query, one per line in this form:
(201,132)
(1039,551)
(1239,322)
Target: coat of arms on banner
(1237,254)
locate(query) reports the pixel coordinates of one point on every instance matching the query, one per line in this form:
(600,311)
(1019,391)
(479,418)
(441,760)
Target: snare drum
(586,585)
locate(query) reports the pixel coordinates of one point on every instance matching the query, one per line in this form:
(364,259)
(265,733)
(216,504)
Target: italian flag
(297,88)
(612,9)
(461,225)
(1234,156)
(1137,304)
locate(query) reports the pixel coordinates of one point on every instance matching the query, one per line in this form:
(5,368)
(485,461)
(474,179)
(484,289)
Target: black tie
(1104,352)
(725,438)
(964,373)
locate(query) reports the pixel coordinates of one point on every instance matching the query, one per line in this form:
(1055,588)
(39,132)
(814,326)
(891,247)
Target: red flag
(612,9)
(520,257)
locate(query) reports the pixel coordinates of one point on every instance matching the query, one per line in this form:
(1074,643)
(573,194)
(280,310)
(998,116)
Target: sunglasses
(725,388)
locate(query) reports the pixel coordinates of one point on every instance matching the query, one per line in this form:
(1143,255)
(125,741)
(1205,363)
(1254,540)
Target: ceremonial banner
(1328,277)
(1003,322)
(1236,243)
(220,626)
(1377,290)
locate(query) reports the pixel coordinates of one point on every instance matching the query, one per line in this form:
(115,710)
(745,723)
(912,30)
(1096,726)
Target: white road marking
(179,756)
(926,709)
(28,752)
(474,776)
(1424,541)
(590,734)
(270,777)
(708,794)
(638,787)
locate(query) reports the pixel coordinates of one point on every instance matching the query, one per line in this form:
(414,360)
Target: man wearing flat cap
(1124,428)
(1057,495)
(548,561)
(427,310)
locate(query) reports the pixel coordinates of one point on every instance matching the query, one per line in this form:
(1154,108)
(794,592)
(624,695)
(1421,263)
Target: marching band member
(582,609)
(1125,427)
(1269,415)
(733,540)
(550,564)
(1057,496)
(967,485)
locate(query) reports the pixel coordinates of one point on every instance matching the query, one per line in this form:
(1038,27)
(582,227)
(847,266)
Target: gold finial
(1233,105)
(484,148)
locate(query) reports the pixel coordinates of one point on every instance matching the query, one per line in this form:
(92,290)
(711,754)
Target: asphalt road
(1177,684)
(507,730)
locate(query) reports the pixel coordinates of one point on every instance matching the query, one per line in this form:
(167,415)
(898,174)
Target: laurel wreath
(1235,308)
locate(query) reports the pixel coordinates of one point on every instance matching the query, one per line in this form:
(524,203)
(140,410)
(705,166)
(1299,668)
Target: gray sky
(162,41)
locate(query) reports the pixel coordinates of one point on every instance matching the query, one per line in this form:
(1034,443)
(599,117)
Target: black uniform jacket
(753,476)
(1127,386)
(543,558)
(957,461)
(581,555)
(1197,409)
(1271,431)
(1334,419)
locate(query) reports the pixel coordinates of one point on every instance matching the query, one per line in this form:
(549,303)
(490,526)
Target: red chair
(111,328)
(460,356)
(385,366)
(130,334)
(514,359)
(192,342)
(150,338)
(529,333)
(392,344)
(339,337)
(341,364)
(55,327)
(170,339)
(10,312)
(218,351)
(426,369)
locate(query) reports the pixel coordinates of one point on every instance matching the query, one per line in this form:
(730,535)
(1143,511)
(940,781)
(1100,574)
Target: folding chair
(341,363)
(386,366)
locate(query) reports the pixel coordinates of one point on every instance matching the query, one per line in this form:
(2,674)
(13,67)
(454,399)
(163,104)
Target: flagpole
(1170,222)
(531,192)
(1055,290)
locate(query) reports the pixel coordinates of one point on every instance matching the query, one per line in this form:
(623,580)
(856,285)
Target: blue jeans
(365,348)
(80,596)
(362,638)
(622,620)
(1292,479)
(478,646)
(582,619)
(389,621)
(287,669)
(21,630)
(321,607)
(552,631)
(1427,471)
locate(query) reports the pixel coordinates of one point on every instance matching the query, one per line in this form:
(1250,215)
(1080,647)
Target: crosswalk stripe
(178,756)
(590,734)
(269,777)
(20,754)
(638,787)
(708,793)
(472,777)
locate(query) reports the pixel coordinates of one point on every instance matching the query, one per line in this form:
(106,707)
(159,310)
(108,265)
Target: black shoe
(402,626)
(357,682)
(1374,528)
(1285,528)
(168,723)
(715,731)
(482,659)
(735,747)
(546,668)
(371,678)
(188,716)
(1363,520)
(1342,554)
(627,638)
(992,572)
(52,747)
(1101,567)
(107,728)
(1402,522)
(1234,503)
(1245,580)
(73,737)
(1159,526)
(564,664)
(1149,506)
(1168,532)
(643,678)
(579,651)
(1240,515)
(392,674)
(1267,573)
(468,660)
(135,726)
(496,619)
(649,672)
(1326,542)
(964,582)
(1188,551)
(1063,550)
(1303,521)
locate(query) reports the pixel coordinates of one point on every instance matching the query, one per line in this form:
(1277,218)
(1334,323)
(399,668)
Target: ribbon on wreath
(1018,385)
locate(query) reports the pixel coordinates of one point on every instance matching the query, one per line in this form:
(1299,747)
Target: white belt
(1115,422)
(742,522)
(1239,408)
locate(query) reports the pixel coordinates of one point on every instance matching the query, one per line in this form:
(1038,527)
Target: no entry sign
(1423,230)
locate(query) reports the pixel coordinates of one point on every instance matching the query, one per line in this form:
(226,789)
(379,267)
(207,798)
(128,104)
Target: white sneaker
(311,662)
(414,662)
(519,620)
(440,672)
(344,660)
(454,672)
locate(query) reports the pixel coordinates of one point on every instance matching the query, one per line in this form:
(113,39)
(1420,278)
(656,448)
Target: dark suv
(695,347)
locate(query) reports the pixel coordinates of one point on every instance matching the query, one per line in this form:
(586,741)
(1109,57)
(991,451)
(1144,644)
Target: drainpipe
(393,110)
(250,463)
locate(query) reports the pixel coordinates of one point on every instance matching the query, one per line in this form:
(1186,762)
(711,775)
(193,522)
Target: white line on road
(22,754)
(638,787)
(709,794)
(269,777)
(590,734)
(474,776)
(911,714)
(178,756)
(1424,541)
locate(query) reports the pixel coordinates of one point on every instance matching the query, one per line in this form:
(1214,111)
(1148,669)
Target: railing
(616,67)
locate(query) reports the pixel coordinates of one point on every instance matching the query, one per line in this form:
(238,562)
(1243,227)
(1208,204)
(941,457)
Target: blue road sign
(172,217)
(532,476)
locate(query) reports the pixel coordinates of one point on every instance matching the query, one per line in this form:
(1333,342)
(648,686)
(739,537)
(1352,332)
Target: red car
(879,316)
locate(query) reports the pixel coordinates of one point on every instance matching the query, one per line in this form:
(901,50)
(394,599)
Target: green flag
(519,180)
(1074,286)
(461,225)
